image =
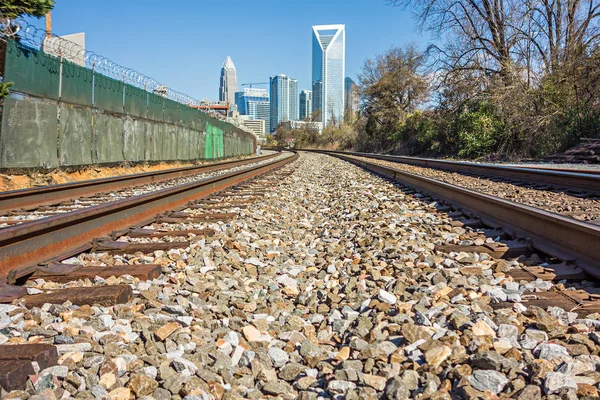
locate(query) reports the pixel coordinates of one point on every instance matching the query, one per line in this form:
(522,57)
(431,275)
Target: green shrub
(479,130)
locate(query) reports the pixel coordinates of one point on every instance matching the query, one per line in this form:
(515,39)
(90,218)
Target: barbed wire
(38,39)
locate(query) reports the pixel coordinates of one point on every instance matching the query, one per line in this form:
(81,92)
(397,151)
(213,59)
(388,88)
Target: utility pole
(48,25)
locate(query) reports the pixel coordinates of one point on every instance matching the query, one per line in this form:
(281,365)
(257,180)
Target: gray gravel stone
(483,380)
(328,285)
(556,381)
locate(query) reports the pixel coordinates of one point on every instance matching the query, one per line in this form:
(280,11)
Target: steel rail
(568,179)
(561,237)
(48,195)
(24,246)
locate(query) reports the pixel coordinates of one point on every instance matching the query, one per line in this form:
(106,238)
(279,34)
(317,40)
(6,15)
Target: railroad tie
(15,363)
(239,194)
(116,247)
(572,301)
(8,293)
(211,201)
(154,233)
(508,249)
(58,272)
(224,206)
(553,272)
(204,216)
(105,296)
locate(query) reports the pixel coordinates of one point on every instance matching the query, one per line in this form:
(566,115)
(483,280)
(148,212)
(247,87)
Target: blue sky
(183,43)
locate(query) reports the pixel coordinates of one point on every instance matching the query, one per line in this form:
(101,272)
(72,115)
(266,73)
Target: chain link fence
(71,107)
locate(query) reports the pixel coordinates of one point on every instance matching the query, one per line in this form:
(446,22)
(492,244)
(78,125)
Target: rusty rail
(53,194)
(24,246)
(584,181)
(553,234)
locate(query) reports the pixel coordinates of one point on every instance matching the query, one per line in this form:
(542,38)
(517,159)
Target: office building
(228,85)
(254,103)
(249,94)
(294,109)
(317,93)
(261,110)
(351,98)
(284,100)
(256,126)
(328,71)
(305,104)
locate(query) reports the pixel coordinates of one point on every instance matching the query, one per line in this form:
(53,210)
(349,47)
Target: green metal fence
(60,113)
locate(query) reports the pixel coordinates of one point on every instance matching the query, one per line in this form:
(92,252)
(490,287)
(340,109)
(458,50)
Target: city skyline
(333,94)
(124,39)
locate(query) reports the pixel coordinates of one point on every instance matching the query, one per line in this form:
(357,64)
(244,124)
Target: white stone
(386,297)
(550,351)
(555,381)
(77,347)
(483,380)
(237,355)
(278,357)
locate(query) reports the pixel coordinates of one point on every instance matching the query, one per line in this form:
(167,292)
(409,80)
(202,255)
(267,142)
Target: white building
(70,47)
(318,126)
(329,71)
(256,126)
(228,85)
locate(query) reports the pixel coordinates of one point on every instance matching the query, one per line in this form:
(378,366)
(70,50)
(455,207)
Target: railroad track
(156,221)
(316,265)
(572,241)
(572,247)
(18,206)
(25,245)
(577,202)
(577,180)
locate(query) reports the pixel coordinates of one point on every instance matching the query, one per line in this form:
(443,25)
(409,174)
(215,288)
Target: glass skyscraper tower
(305,104)
(284,100)
(329,71)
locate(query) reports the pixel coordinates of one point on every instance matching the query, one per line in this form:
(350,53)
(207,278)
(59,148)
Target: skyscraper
(351,98)
(328,71)
(228,85)
(293,116)
(284,100)
(305,104)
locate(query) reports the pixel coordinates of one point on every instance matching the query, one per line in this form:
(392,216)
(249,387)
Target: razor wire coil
(36,38)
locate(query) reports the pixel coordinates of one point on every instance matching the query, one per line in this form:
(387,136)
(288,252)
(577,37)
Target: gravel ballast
(580,207)
(326,287)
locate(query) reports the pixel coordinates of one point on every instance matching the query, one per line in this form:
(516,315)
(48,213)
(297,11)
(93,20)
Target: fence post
(123,116)
(94,146)
(58,111)
(3,51)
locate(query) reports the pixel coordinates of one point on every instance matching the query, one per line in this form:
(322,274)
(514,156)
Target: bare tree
(561,30)
(505,37)
(392,84)
(484,33)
